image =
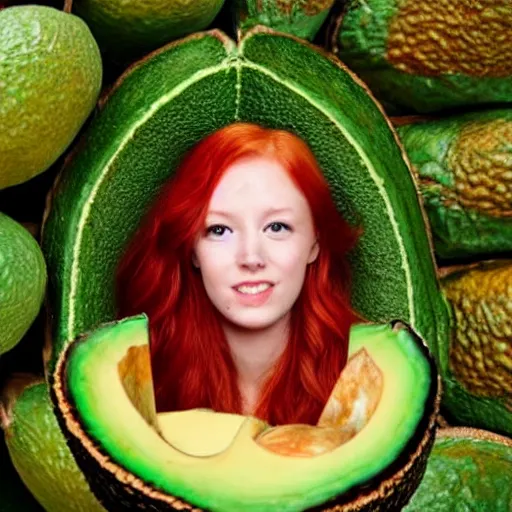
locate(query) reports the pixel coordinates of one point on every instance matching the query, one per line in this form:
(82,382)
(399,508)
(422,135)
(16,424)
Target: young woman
(240,265)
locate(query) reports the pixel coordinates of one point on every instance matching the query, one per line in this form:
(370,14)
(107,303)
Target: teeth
(252,290)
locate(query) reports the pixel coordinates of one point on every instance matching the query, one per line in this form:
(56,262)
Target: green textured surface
(22,281)
(126,29)
(302,19)
(14,496)
(466,474)
(42,458)
(461,229)
(129,152)
(202,481)
(50,78)
(361,40)
(478,383)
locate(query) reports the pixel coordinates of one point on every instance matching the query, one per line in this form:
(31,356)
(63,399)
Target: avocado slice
(205,460)
(468,469)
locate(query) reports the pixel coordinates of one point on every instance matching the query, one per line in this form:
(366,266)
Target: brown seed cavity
(349,408)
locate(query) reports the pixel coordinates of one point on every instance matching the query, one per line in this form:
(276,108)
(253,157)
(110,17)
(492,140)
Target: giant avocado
(426,56)
(152,118)
(368,451)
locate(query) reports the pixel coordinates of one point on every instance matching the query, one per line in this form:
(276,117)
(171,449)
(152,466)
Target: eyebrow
(266,213)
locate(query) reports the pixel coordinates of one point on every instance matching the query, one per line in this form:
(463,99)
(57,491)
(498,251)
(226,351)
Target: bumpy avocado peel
(230,83)
(302,19)
(23,278)
(468,469)
(463,164)
(38,450)
(423,56)
(50,80)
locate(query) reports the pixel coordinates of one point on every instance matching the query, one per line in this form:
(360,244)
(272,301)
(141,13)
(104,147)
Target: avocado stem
(68,5)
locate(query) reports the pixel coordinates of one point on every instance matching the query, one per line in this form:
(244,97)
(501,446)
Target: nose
(251,253)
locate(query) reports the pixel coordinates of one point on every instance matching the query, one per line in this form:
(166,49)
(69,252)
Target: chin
(256,323)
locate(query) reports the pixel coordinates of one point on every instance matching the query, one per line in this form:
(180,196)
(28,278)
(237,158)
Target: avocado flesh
(125,435)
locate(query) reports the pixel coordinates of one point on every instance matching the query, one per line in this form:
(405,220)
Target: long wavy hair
(191,361)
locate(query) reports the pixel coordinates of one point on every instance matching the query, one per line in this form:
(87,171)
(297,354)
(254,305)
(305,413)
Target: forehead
(256,180)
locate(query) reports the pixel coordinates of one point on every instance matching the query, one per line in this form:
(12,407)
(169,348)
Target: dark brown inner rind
(117,489)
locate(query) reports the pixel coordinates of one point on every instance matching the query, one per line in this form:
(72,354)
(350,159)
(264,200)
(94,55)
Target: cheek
(291,260)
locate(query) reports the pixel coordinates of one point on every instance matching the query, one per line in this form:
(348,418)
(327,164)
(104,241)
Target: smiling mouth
(253,290)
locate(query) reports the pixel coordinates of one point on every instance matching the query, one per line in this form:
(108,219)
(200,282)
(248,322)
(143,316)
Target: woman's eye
(279,227)
(217,230)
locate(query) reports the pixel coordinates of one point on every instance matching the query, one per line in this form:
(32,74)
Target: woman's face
(258,240)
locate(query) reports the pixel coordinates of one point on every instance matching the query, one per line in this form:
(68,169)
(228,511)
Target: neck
(255,351)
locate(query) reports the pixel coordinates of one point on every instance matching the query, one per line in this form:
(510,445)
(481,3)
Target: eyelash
(283,224)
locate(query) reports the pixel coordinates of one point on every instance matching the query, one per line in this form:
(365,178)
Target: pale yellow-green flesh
(199,432)
(250,468)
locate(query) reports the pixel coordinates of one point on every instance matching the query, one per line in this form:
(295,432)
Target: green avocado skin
(295,20)
(465,475)
(128,153)
(41,457)
(14,496)
(360,35)
(459,231)
(50,79)
(130,29)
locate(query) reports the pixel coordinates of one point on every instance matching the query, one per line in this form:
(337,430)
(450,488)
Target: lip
(258,299)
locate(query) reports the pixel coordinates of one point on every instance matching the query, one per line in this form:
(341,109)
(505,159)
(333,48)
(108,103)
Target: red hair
(191,361)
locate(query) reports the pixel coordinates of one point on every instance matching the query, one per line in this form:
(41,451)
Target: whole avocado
(50,80)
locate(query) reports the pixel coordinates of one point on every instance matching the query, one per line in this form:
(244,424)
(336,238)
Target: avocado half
(367,452)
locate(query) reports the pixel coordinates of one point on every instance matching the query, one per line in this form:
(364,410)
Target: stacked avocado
(433,195)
